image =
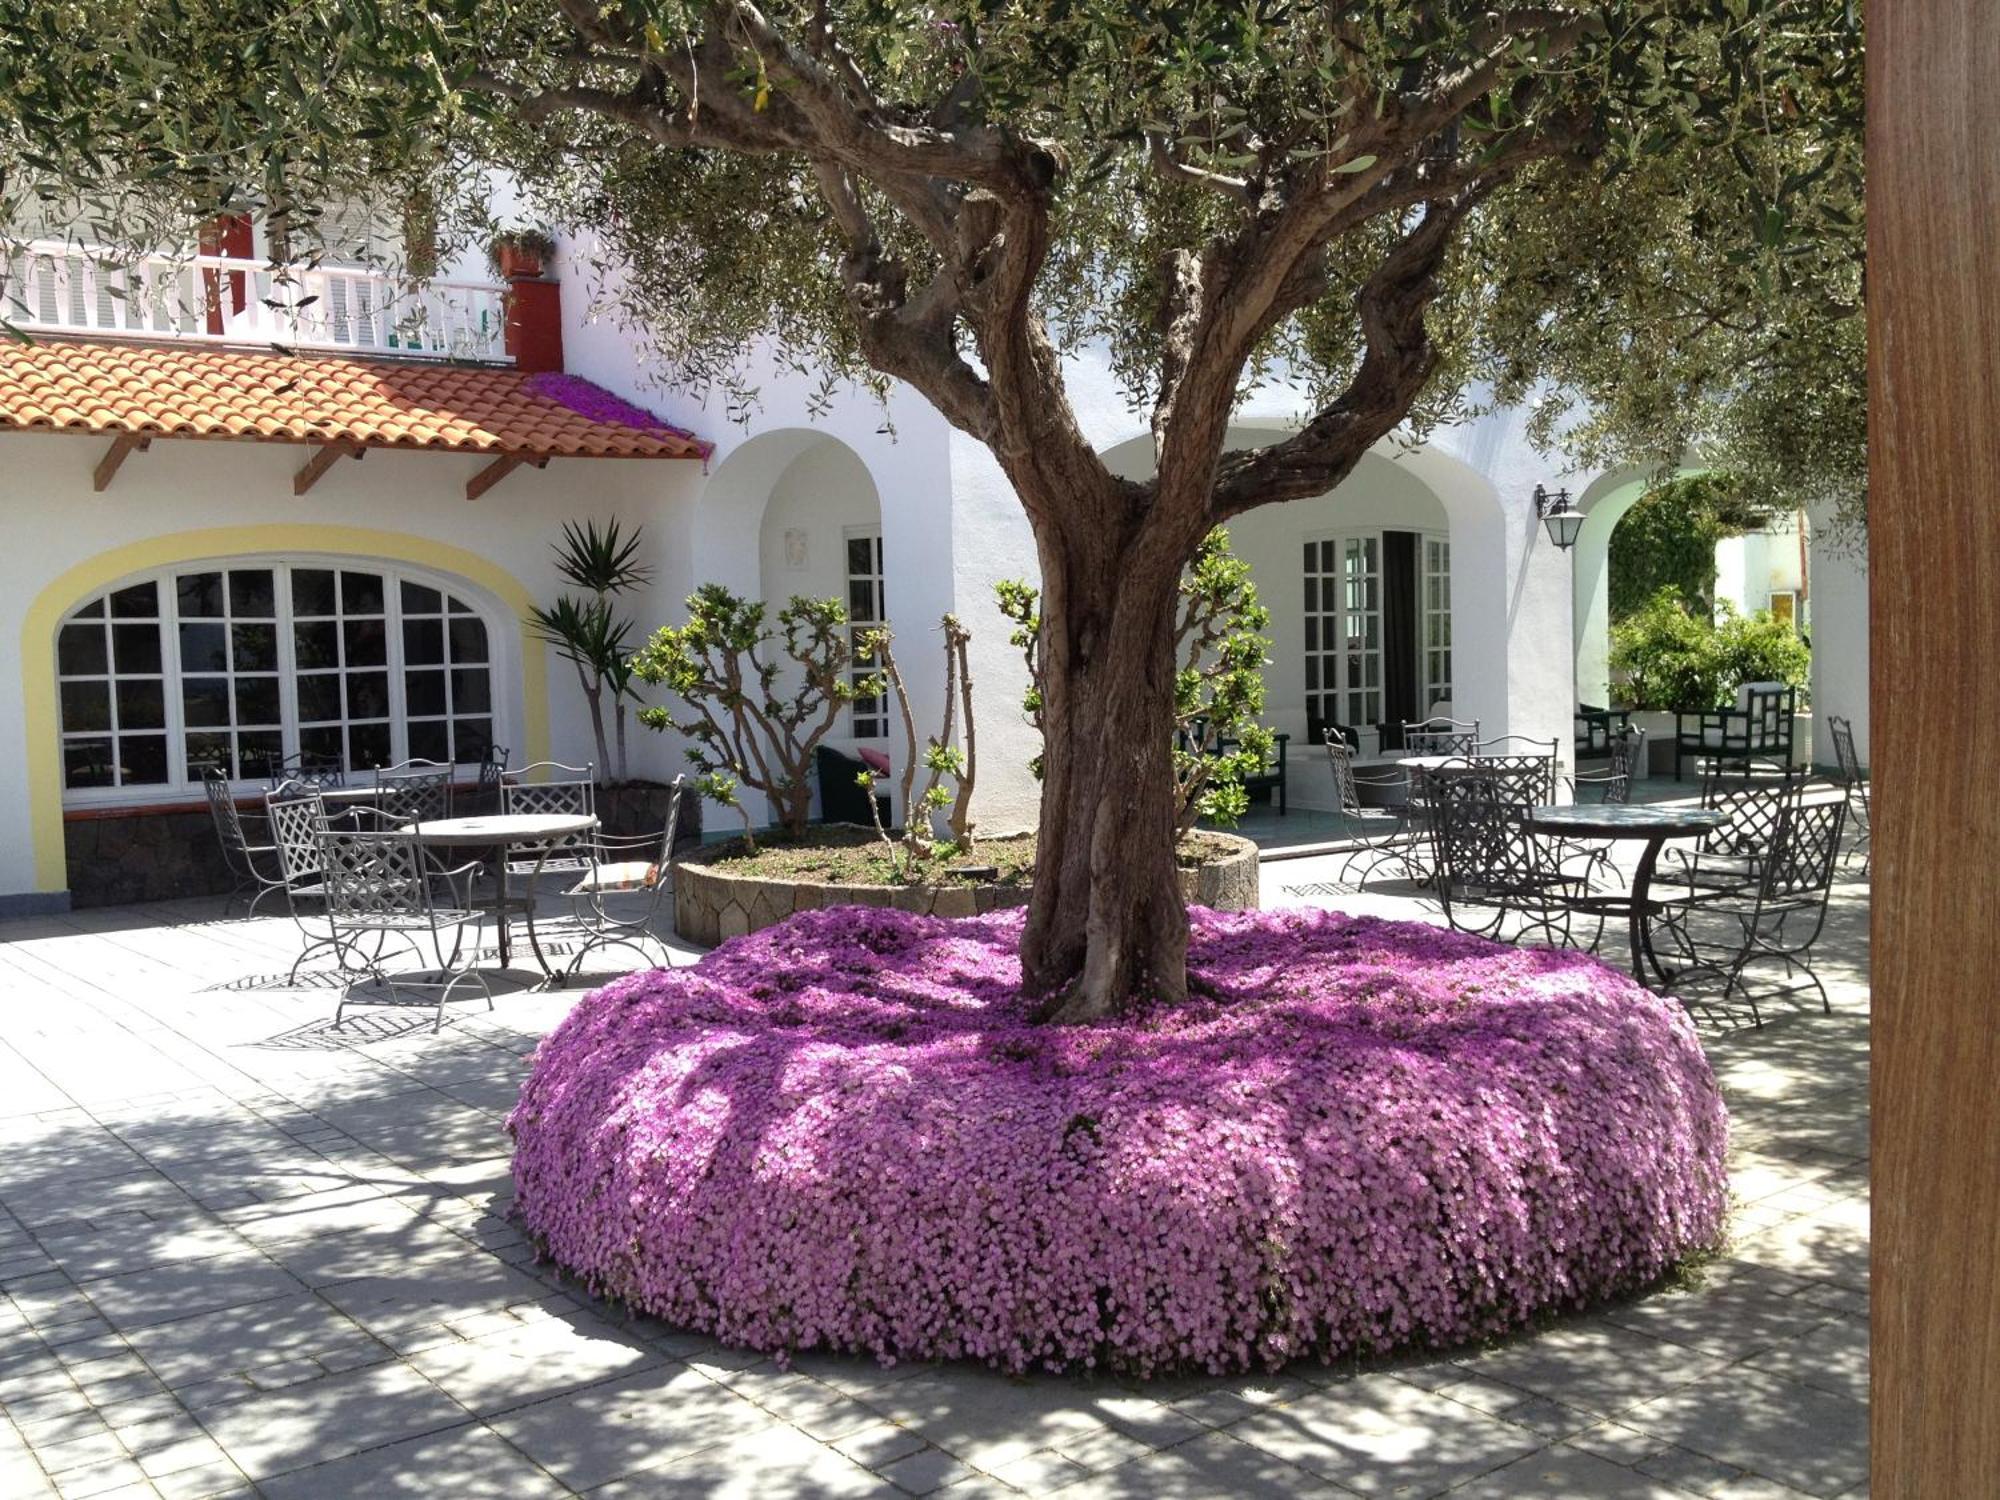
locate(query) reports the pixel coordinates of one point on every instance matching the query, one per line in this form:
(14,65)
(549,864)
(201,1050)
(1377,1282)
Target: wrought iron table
(506,831)
(1654,826)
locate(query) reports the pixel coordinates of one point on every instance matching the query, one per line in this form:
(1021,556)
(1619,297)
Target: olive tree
(1400,208)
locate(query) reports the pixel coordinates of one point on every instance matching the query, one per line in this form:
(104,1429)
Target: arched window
(242,663)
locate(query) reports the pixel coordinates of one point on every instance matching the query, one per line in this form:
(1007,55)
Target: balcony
(59,289)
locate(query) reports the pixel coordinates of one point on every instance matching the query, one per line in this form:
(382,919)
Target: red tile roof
(201,391)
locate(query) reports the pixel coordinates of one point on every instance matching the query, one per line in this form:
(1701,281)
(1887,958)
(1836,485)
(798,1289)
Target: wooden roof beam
(498,470)
(325,458)
(122,447)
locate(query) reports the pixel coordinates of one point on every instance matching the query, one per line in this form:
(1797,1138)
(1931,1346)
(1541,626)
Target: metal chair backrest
(298,816)
(1628,756)
(1343,772)
(415,791)
(550,787)
(1844,753)
(222,808)
(1756,807)
(1441,736)
(491,768)
(302,770)
(1523,780)
(1477,829)
(673,825)
(373,876)
(1805,848)
(1770,708)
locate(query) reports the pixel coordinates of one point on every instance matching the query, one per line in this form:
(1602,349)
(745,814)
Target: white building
(349,574)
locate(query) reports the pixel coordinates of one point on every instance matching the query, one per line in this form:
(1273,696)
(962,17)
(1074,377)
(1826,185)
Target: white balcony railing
(53,287)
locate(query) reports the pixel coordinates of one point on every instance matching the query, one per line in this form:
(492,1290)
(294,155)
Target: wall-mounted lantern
(1562,519)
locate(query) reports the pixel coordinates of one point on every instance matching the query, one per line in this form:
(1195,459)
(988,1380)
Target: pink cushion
(875,761)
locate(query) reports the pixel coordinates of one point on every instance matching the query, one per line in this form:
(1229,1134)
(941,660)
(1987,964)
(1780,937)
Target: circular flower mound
(845,1132)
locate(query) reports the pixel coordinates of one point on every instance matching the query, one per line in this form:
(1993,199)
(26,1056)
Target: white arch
(1604,503)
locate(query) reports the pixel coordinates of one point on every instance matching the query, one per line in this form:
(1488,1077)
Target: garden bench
(1759,727)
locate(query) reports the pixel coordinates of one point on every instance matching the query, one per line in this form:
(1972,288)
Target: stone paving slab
(241,1253)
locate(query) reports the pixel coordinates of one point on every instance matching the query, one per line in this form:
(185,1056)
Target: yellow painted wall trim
(45,614)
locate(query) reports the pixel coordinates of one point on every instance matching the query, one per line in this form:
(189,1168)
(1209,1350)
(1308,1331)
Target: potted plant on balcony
(521,254)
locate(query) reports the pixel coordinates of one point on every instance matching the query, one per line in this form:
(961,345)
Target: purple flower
(844,1132)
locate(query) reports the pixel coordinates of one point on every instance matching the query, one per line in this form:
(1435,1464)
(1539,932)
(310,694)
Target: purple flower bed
(842,1132)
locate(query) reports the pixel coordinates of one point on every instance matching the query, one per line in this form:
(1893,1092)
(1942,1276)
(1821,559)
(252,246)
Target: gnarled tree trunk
(1106,922)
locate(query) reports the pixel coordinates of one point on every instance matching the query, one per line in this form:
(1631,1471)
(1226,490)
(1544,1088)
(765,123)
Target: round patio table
(1618,821)
(506,831)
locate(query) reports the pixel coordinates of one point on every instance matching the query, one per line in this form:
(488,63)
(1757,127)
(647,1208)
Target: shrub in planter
(520,253)
(1669,657)
(845,1132)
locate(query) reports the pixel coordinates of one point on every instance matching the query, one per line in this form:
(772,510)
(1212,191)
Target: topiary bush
(844,1132)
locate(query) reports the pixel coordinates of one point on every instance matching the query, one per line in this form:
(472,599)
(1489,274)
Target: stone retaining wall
(711,905)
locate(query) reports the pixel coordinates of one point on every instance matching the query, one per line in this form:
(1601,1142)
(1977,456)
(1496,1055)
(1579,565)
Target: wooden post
(1934,566)
(122,447)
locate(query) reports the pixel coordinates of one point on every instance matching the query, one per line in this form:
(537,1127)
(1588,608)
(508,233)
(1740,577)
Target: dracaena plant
(585,630)
(756,695)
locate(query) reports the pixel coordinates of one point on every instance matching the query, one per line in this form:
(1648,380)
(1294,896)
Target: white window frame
(503,665)
(879,578)
(1435,673)
(1347,694)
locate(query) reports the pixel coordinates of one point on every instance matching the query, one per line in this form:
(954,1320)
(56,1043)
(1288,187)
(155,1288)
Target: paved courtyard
(243,1254)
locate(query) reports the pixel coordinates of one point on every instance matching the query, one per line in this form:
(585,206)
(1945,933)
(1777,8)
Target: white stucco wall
(1838,563)
(51,522)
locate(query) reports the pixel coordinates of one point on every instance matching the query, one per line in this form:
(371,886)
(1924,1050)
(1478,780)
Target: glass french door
(1434,622)
(1343,627)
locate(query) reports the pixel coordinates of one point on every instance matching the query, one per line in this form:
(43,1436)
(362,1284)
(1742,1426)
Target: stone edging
(711,906)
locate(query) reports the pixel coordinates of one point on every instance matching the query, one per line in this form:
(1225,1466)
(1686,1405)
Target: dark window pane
(316,645)
(423,643)
(91,611)
(200,596)
(323,743)
(472,738)
(136,648)
(319,698)
(860,556)
(142,759)
(423,694)
(252,594)
(471,692)
(256,700)
(860,600)
(1326,558)
(80,650)
(367,745)
(1312,632)
(139,602)
(367,643)
(256,647)
(1312,596)
(258,751)
(206,750)
(1312,555)
(205,701)
(361,593)
(87,762)
(312,591)
(142,704)
(367,695)
(458,606)
(86,705)
(468,641)
(1312,673)
(204,648)
(418,600)
(428,740)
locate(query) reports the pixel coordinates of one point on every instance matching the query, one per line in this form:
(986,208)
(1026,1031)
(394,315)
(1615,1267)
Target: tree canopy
(1655,204)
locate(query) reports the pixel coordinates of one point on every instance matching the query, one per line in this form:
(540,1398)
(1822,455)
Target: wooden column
(1934,507)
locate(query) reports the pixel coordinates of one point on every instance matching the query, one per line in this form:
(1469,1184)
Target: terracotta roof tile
(198,390)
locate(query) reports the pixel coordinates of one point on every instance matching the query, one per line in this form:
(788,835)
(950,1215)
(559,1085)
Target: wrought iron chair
(548,788)
(297,817)
(486,792)
(1758,729)
(413,791)
(1489,865)
(379,885)
(629,871)
(1775,917)
(254,867)
(1441,736)
(313,772)
(1855,780)
(1383,833)
(1613,784)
